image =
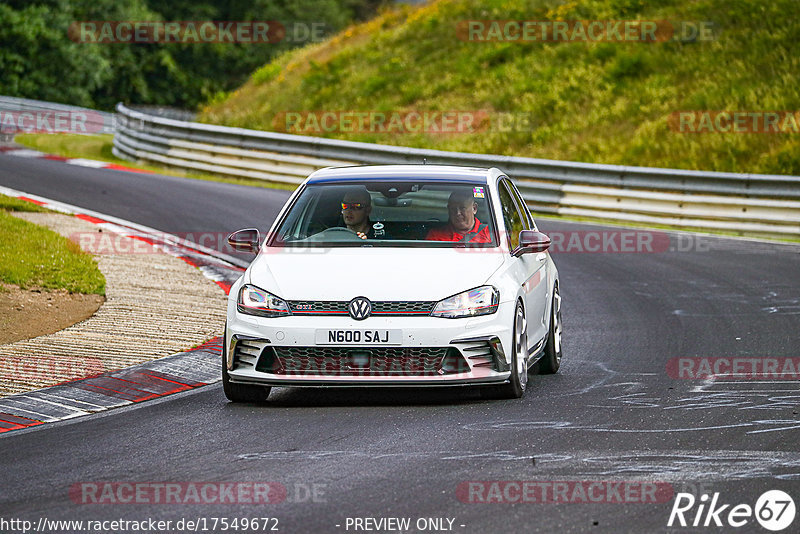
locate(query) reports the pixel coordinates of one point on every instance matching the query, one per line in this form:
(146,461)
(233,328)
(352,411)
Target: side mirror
(531,241)
(246,240)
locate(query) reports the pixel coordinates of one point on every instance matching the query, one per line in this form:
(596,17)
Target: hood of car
(376,273)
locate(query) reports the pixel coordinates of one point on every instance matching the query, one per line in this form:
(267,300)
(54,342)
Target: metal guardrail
(167,112)
(21,115)
(755,204)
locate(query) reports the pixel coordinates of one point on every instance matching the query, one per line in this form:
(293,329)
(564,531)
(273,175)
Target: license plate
(359,337)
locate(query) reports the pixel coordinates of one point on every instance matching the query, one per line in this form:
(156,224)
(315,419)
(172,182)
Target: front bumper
(433,351)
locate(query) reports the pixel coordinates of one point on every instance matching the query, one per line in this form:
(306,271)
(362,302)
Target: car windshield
(410,214)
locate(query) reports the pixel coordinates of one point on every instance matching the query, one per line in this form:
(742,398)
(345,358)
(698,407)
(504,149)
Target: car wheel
(551,360)
(240,392)
(519,361)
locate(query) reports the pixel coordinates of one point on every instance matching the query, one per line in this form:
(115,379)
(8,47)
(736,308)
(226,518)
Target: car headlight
(255,301)
(479,301)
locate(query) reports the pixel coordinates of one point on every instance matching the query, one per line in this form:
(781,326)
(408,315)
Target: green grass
(592,102)
(33,256)
(15,204)
(98,147)
(73,146)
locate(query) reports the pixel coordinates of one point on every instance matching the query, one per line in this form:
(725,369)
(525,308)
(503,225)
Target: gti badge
(360,308)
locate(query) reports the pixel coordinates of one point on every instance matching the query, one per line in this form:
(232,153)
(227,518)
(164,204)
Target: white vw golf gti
(397,275)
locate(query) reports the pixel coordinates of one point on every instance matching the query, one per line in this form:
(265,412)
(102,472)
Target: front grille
(357,361)
(317,307)
(402,308)
(384,308)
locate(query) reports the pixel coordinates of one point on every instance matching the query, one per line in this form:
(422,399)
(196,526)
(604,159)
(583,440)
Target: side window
(529,223)
(511,216)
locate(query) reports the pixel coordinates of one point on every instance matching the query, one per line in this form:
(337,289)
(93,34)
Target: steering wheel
(342,233)
(337,229)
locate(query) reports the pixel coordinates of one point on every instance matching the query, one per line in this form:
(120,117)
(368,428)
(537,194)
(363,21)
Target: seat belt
(472,234)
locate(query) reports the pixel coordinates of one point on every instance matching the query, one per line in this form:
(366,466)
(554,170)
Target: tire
(518,380)
(551,360)
(240,392)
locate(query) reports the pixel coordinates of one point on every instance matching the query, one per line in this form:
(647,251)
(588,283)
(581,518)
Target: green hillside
(603,102)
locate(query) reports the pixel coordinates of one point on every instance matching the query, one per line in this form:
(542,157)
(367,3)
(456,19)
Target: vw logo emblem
(360,308)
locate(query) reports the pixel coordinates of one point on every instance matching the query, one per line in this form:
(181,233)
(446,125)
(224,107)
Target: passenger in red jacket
(463,225)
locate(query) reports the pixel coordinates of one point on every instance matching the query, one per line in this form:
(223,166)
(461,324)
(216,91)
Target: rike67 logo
(774,510)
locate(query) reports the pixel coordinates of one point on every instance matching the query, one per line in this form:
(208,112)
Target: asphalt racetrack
(618,423)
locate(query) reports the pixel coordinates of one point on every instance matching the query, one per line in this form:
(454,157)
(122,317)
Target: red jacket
(476,235)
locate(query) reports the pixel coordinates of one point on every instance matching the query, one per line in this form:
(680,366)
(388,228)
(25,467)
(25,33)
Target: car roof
(400,173)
